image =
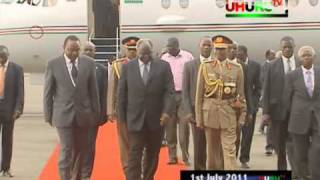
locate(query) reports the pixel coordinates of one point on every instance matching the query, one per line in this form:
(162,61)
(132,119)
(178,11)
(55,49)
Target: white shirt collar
(202,59)
(291,58)
(142,63)
(305,70)
(246,61)
(68,61)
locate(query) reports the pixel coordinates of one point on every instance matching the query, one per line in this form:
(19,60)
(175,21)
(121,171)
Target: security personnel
(130,46)
(220,92)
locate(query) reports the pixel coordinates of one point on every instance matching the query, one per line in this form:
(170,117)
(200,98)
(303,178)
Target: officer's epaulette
(209,61)
(119,60)
(234,64)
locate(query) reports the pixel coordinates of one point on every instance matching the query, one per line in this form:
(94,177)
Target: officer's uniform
(129,43)
(219,86)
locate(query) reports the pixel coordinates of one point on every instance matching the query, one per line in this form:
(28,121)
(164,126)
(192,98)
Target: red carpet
(107,163)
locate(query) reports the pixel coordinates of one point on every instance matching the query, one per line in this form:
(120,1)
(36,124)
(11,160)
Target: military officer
(130,46)
(220,93)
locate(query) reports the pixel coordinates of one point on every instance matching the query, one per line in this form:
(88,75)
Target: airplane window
(49,3)
(165,3)
(184,3)
(293,3)
(220,3)
(313,2)
(6,1)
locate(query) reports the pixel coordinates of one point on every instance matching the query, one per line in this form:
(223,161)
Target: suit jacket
(299,105)
(189,86)
(13,92)
(65,103)
(102,81)
(264,68)
(252,85)
(273,90)
(141,104)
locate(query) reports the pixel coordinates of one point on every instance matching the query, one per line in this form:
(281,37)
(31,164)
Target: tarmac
(34,140)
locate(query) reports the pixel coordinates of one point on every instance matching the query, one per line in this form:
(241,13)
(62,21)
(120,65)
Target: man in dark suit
(145,97)
(272,105)
(189,84)
(102,81)
(252,89)
(270,56)
(71,104)
(301,99)
(11,105)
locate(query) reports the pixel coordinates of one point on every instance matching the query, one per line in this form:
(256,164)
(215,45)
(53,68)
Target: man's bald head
(89,49)
(173,46)
(4,54)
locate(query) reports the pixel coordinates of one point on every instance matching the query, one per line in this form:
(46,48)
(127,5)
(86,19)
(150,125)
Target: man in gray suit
(189,84)
(302,102)
(273,106)
(71,104)
(11,105)
(252,89)
(145,96)
(89,49)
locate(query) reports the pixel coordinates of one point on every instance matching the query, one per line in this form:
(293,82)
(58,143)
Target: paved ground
(35,140)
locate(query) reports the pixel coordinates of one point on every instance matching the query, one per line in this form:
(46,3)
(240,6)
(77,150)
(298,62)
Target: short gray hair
(306,48)
(144,43)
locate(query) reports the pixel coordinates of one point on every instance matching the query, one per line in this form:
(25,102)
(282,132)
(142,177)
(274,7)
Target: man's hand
(249,118)
(189,118)
(164,119)
(111,118)
(16,115)
(200,125)
(266,118)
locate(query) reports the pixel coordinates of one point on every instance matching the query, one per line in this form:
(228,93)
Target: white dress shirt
(305,76)
(285,64)
(141,67)
(69,66)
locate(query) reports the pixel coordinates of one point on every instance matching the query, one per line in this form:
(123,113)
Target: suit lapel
(65,70)
(316,82)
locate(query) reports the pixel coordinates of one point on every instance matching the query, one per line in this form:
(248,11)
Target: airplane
(34,30)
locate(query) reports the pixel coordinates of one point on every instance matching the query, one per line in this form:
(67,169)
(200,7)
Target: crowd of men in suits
(218,94)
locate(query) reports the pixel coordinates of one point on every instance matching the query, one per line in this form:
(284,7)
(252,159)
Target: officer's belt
(224,97)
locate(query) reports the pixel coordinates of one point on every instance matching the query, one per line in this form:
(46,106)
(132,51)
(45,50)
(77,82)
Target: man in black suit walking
(273,106)
(71,104)
(189,85)
(11,105)
(252,89)
(302,102)
(145,95)
(102,81)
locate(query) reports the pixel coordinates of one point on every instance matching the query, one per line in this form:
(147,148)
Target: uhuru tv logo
(256,8)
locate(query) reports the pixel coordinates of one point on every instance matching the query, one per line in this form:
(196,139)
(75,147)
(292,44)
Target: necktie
(145,74)
(2,79)
(289,65)
(309,83)
(74,72)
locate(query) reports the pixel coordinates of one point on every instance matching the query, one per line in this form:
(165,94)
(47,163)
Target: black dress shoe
(245,166)
(186,163)
(269,152)
(173,161)
(7,174)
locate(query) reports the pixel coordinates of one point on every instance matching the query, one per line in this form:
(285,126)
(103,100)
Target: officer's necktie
(309,83)
(74,72)
(2,79)
(145,74)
